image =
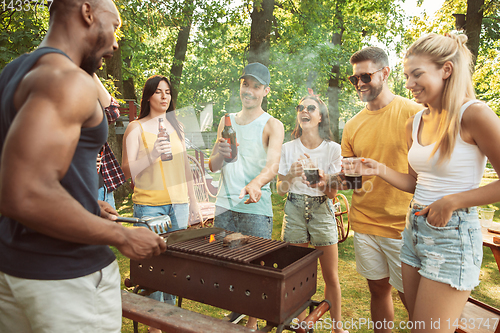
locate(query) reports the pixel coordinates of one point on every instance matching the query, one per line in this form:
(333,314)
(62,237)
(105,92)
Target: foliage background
(301,55)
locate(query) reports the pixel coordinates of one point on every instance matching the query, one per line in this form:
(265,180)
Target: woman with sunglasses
(309,216)
(449,143)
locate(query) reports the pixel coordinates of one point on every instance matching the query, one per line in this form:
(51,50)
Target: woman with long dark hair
(160,187)
(309,215)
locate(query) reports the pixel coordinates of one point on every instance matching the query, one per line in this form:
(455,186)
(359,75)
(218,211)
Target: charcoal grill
(267,279)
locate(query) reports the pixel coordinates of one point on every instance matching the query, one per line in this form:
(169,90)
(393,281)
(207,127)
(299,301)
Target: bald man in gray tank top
(57,273)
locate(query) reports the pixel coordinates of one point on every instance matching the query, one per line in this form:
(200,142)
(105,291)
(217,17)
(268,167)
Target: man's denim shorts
(248,224)
(309,219)
(451,254)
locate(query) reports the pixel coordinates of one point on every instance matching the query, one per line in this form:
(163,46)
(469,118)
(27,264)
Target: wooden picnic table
(495,248)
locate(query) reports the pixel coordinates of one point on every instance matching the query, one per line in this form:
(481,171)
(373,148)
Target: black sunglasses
(310,108)
(365,78)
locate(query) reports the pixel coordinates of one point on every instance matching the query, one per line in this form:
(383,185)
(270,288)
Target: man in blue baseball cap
(244,199)
(257,71)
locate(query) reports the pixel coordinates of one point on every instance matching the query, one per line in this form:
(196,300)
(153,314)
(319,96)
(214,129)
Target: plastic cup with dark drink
(311,171)
(312,175)
(354,180)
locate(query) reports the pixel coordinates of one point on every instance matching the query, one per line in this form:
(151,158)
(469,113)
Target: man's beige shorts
(378,258)
(90,303)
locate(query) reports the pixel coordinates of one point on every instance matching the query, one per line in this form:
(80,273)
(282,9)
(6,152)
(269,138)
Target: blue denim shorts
(104,195)
(309,219)
(248,224)
(179,215)
(451,254)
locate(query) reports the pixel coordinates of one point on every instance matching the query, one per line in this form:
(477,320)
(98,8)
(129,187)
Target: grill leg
(136,324)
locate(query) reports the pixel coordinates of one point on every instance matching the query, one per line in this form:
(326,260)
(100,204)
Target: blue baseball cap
(258,72)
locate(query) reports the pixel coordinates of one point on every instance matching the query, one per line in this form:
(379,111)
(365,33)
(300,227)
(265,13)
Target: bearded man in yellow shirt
(378,210)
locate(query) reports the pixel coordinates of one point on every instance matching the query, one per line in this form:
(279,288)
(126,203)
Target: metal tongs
(159,224)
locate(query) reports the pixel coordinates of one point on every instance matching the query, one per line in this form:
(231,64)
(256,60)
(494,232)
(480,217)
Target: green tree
(215,57)
(313,43)
(181,48)
(487,66)
(21,31)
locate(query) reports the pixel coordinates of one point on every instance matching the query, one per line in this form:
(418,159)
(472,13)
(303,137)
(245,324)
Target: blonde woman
(449,142)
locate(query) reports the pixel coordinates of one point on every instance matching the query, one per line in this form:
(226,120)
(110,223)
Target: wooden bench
(478,317)
(129,110)
(170,318)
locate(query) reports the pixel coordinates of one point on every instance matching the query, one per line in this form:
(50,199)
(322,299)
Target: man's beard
(374,92)
(90,63)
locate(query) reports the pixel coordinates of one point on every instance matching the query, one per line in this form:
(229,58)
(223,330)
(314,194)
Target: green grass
(355,294)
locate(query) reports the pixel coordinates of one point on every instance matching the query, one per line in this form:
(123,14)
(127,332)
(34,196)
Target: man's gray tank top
(24,252)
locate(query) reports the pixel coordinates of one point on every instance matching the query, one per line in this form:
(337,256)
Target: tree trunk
(260,30)
(473,23)
(128,84)
(180,50)
(333,82)
(114,69)
(260,35)
(129,89)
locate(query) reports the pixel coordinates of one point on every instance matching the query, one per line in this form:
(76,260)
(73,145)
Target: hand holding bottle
(224,148)
(163,142)
(162,147)
(229,136)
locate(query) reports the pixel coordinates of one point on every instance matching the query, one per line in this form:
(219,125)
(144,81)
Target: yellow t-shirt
(379,208)
(163,182)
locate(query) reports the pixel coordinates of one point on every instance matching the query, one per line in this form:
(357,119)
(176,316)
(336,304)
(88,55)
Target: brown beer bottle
(162,132)
(229,134)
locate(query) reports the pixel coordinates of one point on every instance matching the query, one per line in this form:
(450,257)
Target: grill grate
(255,248)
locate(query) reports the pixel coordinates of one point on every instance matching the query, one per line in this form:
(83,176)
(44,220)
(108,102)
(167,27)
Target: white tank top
(462,172)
